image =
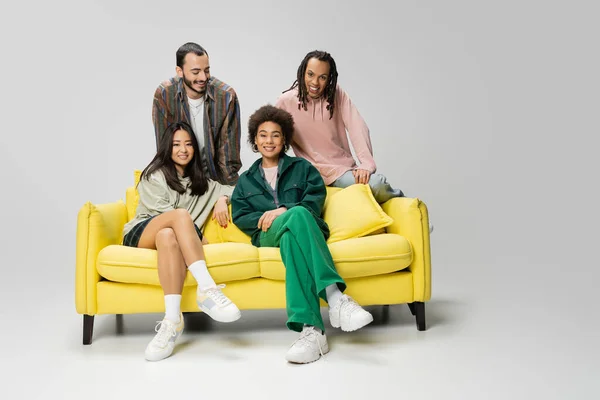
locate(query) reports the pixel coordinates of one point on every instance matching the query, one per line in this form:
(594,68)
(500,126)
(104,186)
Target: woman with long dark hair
(175,199)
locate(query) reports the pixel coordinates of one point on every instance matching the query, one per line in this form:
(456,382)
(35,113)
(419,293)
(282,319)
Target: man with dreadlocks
(322,113)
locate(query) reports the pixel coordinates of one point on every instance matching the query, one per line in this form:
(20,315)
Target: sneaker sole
(335,322)
(360,324)
(325,351)
(233,318)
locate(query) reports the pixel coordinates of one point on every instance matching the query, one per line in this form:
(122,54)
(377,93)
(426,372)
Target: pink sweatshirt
(323,141)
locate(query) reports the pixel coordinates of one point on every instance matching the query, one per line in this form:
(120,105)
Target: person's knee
(299,210)
(166,238)
(181,215)
(382,190)
(299,213)
(378,183)
(301,220)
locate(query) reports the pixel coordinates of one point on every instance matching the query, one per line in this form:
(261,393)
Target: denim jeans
(382,191)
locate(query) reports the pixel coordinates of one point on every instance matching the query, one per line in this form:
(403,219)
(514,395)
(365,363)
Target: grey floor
(479,344)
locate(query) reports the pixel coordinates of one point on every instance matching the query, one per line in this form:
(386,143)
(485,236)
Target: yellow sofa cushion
(330,192)
(353,258)
(212,230)
(353,212)
(226,262)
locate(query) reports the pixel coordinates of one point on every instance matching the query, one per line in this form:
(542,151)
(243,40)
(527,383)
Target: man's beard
(189,84)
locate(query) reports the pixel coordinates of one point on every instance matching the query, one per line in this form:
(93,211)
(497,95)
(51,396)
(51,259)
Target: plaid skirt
(132,238)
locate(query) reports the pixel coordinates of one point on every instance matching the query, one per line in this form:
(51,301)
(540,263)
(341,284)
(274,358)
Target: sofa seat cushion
(226,262)
(353,258)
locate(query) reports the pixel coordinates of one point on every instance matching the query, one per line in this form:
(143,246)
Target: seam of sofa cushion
(356,259)
(372,258)
(146,266)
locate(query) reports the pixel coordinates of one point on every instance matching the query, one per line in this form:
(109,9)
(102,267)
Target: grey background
(487,111)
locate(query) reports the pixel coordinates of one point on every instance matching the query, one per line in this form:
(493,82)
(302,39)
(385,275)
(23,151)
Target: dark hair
(189,47)
(270,113)
(162,161)
(331,83)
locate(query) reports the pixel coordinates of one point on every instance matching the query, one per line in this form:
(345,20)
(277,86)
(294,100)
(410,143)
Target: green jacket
(298,184)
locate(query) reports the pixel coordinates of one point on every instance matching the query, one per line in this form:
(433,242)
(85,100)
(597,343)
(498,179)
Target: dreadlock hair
(329,91)
(163,161)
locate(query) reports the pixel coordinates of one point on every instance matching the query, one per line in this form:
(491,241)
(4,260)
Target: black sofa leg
(119,325)
(88,328)
(412,308)
(385,314)
(420,315)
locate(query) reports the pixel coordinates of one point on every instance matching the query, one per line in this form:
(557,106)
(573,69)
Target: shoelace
(309,335)
(348,305)
(165,332)
(218,296)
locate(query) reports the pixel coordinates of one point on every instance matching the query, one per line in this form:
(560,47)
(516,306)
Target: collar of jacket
(284,163)
(182,94)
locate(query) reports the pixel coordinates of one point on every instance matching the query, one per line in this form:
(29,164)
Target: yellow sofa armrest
(98,226)
(411,220)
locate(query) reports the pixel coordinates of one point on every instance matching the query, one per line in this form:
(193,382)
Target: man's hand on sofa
(268,217)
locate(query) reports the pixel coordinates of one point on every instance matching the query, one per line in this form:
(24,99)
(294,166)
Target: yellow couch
(389,266)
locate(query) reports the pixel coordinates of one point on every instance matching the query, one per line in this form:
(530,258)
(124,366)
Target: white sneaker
(309,347)
(163,343)
(217,306)
(348,315)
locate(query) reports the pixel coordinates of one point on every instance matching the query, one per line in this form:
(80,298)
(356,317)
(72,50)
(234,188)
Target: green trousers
(309,268)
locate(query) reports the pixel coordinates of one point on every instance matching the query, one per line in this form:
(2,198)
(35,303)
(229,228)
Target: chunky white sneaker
(163,343)
(348,315)
(217,306)
(309,347)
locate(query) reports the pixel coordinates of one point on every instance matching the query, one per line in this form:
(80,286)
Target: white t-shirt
(271,175)
(197,119)
(197,122)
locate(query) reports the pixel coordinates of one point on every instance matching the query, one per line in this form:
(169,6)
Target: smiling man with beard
(210,106)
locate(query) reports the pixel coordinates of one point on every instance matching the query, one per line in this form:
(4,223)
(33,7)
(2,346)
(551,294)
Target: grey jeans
(382,191)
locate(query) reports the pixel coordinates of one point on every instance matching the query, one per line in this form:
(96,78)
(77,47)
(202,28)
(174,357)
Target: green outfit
(300,232)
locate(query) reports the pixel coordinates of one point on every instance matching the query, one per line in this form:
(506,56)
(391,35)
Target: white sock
(173,307)
(333,294)
(200,273)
